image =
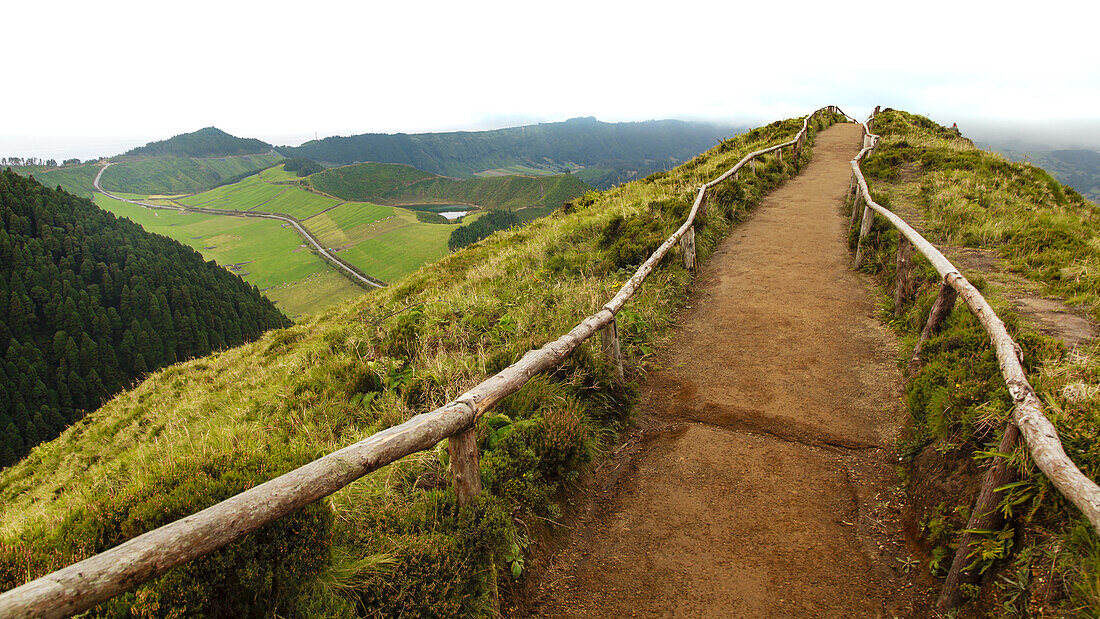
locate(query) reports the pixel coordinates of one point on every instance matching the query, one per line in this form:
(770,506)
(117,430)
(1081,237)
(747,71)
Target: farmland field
(383,241)
(263,252)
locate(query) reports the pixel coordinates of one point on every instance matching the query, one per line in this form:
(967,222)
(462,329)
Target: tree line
(89,302)
(19,162)
(481,228)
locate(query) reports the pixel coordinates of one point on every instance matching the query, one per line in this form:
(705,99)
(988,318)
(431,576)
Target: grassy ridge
(396,543)
(174,175)
(1046,559)
(393,184)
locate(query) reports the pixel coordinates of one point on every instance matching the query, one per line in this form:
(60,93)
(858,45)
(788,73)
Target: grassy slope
(394,184)
(1042,232)
(76,180)
(399,544)
(288,275)
(171,175)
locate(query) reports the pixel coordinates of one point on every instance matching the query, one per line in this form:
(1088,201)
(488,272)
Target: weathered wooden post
(465,466)
(703,202)
(864,229)
(856,204)
(941,309)
(752,163)
(612,349)
(986,516)
(779,156)
(903,280)
(687,243)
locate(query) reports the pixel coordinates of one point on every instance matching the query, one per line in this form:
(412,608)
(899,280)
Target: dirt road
(758,483)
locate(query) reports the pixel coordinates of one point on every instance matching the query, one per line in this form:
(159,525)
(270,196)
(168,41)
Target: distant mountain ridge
(400,185)
(206,142)
(610,152)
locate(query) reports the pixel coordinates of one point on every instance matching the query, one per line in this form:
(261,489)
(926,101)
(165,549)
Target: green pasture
(384,241)
(262,251)
(247,194)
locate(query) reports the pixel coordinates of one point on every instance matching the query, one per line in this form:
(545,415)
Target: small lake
(453,214)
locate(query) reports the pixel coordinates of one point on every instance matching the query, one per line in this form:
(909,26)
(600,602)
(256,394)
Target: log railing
(1027,417)
(87,583)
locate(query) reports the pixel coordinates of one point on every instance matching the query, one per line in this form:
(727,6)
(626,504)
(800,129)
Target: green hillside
(393,184)
(175,175)
(394,543)
(613,152)
(92,302)
(206,142)
(75,179)
(1078,168)
(1017,234)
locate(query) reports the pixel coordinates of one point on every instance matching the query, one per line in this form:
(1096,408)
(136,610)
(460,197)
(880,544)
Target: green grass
(517,169)
(171,175)
(298,203)
(384,241)
(1049,236)
(251,193)
(76,180)
(398,542)
(269,255)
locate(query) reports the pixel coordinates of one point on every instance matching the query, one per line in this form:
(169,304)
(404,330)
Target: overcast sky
(111,74)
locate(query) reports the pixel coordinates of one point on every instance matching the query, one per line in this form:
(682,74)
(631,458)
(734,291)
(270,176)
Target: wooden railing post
(612,348)
(752,164)
(703,203)
(687,243)
(856,204)
(941,309)
(903,280)
(465,465)
(986,516)
(864,229)
(779,155)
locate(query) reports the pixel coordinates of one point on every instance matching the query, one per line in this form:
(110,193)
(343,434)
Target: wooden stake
(687,243)
(609,338)
(941,309)
(856,204)
(986,516)
(465,466)
(864,229)
(903,282)
(753,165)
(703,202)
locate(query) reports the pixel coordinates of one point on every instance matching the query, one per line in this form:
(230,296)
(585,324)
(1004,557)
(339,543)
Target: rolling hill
(206,142)
(603,153)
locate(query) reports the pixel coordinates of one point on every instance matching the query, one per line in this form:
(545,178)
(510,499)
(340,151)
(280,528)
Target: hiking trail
(760,480)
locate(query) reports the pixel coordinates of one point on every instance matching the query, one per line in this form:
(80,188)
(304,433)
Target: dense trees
(89,302)
(483,227)
(301,165)
(206,142)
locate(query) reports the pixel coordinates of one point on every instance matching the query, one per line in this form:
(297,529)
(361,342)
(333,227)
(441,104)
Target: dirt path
(758,482)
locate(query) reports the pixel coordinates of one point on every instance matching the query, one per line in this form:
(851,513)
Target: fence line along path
(87,583)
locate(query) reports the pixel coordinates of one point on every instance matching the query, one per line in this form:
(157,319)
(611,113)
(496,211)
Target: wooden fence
(87,583)
(1027,417)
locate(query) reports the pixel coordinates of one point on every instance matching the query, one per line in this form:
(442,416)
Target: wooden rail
(87,583)
(1027,416)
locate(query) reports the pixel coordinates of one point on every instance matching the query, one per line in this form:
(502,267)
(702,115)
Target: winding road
(346,268)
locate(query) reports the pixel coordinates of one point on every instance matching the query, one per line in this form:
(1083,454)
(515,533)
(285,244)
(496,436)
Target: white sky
(80,72)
